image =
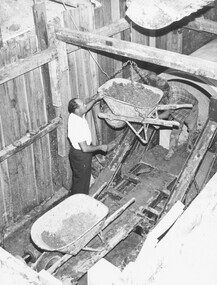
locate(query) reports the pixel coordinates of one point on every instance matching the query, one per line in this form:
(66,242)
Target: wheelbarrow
(65,230)
(68,227)
(126,111)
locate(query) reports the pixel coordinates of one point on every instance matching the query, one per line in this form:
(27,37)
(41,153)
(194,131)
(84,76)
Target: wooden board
(152,55)
(48,143)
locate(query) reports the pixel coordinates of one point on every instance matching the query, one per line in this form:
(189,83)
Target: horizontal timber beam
(131,50)
(28,139)
(108,31)
(22,66)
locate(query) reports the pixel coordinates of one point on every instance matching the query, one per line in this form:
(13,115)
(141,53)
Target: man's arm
(93,100)
(92,148)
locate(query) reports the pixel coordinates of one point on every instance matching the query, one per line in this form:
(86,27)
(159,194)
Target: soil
(53,240)
(134,94)
(71,229)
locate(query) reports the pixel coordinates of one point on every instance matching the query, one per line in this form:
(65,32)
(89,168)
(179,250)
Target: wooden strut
(140,52)
(28,139)
(25,65)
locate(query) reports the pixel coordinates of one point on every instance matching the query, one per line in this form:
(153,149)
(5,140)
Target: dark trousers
(81,170)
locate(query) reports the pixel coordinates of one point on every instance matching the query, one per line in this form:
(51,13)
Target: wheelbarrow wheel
(116,124)
(46,260)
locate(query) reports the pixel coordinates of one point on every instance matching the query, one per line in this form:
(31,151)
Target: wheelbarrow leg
(137,133)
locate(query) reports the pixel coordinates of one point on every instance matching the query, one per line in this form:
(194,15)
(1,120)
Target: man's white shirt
(78,130)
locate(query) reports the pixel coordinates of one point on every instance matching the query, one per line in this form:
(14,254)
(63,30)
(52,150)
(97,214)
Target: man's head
(76,106)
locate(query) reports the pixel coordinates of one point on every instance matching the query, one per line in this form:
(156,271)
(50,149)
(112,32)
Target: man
(174,94)
(79,135)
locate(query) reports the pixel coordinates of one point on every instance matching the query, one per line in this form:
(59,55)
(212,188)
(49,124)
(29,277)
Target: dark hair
(72,105)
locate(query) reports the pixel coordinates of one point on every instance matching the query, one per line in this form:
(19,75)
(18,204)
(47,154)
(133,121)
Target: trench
(145,173)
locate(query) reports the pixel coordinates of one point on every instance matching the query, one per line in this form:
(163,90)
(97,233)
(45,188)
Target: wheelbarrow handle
(173,106)
(99,190)
(161,122)
(118,212)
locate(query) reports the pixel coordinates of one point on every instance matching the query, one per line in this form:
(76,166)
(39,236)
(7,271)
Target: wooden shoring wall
(26,178)
(33,104)
(33,141)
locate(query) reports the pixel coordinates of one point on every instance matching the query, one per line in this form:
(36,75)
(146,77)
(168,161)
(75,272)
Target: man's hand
(99,96)
(111,146)
(108,147)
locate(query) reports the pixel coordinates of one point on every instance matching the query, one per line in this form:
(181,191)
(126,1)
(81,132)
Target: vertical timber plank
(25,157)
(49,141)
(10,126)
(115,16)
(11,130)
(60,70)
(36,114)
(88,68)
(103,17)
(173,41)
(5,189)
(69,20)
(94,84)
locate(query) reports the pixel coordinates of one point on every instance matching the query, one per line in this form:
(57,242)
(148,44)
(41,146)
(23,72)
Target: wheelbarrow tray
(70,225)
(150,99)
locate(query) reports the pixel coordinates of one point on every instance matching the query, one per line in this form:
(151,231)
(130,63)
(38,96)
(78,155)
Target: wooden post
(39,13)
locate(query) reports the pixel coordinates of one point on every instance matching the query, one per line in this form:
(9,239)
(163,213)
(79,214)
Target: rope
(133,65)
(88,49)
